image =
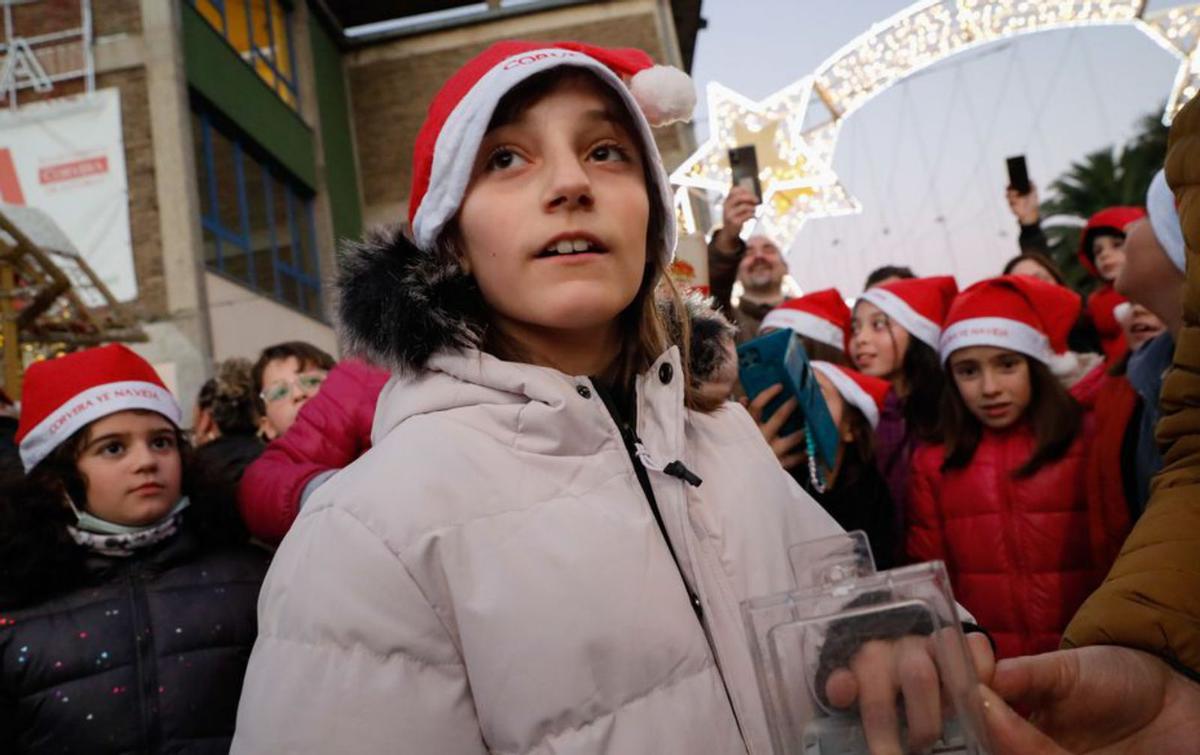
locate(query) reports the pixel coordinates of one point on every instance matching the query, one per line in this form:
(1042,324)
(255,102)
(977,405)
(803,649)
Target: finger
(1011,734)
(982,656)
(1036,680)
(877,698)
(771,427)
(792,461)
(742,214)
(841,688)
(918,679)
(763,398)
(739,193)
(786,443)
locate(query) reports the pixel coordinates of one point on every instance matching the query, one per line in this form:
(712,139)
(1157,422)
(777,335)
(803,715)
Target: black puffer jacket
(142,654)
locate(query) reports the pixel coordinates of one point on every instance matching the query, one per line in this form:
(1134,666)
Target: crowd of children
(530,525)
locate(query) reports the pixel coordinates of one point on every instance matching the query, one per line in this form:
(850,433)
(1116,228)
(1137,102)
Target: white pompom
(665,94)
(1064,364)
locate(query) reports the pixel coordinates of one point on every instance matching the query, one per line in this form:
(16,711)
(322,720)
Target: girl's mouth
(569,245)
(996,411)
(149,488)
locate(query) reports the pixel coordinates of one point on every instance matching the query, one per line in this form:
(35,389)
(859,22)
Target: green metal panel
(341,171)
(220,76)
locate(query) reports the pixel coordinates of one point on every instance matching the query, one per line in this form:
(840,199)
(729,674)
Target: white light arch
(795,156)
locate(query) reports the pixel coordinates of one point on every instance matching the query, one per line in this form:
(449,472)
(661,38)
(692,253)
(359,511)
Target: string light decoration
(795,162)
(796,177)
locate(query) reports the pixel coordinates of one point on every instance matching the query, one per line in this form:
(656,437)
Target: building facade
(257,133)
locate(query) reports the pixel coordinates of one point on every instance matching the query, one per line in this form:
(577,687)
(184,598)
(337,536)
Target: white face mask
(88,522)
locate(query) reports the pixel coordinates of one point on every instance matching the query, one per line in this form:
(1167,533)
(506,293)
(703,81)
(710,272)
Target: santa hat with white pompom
(1018,313)
(458,117)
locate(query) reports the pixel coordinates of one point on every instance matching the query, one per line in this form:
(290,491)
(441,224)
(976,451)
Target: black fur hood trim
(397,306)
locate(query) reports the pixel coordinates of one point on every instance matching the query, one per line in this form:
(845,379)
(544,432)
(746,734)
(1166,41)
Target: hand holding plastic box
(840,604)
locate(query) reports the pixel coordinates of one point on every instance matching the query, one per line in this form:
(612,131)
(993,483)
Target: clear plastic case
(840,603)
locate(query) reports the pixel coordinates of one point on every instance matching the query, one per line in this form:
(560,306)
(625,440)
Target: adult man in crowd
(757,263)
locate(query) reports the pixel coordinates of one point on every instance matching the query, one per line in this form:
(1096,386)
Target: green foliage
(1102,179)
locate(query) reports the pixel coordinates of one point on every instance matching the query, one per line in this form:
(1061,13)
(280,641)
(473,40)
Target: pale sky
(926,157)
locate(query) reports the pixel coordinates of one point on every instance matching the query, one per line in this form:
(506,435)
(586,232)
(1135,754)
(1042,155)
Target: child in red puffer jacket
(1002,499)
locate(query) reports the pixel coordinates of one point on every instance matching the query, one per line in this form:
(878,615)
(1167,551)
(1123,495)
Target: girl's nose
(569,186)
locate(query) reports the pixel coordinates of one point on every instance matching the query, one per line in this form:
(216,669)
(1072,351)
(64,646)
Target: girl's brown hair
(816,351)
(1041,260)
(1053,414)
(648,327)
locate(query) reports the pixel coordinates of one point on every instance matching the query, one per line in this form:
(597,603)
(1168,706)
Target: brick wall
(390,95)
(143,196)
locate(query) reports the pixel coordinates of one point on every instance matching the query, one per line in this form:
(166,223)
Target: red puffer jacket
(1017,550)
(332,429)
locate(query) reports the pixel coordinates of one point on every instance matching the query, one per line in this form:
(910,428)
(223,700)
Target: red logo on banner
(10,185)
(91,166)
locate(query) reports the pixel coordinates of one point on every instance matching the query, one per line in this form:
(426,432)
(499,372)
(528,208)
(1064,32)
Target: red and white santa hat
(1018,313)
(863,392)
(446,145)
(61,396)
(919,305)
(822,316)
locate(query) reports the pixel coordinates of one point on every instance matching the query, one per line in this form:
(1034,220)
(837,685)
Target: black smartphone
(744,163)
(1018,175)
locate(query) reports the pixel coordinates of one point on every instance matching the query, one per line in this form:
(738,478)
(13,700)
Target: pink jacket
(332,430)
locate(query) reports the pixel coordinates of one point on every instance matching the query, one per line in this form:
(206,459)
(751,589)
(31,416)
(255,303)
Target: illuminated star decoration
(1178,30)
(796,176)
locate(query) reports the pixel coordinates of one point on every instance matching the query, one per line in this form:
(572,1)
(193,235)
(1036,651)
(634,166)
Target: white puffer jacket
(490,576)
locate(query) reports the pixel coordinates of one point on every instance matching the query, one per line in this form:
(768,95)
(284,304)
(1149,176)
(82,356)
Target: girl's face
(555,218)
(877,345)
(1108,251)
(837,406)
(131,467)
(1031,269)
(994,383)
(1141,326)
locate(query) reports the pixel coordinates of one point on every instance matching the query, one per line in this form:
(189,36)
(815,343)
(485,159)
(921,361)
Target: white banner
(66,157)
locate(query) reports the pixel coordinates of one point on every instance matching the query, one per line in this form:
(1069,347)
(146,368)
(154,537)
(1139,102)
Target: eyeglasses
(308,383)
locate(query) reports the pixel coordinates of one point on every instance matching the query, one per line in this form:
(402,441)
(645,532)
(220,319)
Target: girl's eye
(610,153)
(502,159)
(964,370)
(163,443)
(112,449)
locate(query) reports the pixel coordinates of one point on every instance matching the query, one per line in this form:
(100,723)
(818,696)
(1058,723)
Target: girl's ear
(847,435)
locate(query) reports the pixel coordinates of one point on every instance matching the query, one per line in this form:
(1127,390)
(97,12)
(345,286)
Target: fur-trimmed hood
(398,307)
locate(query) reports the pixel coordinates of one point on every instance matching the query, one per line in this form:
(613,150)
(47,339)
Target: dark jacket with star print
(144,653)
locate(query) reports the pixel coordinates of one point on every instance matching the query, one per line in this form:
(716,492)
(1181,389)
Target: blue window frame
(258,222)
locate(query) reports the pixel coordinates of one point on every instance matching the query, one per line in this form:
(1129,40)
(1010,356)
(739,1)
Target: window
(258,223)
(260,32)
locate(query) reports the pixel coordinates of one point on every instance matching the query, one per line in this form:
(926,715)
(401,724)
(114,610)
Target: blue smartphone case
(779,357)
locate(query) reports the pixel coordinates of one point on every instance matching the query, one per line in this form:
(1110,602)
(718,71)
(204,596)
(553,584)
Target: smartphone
(1018,175)
(779,358)
(744,163)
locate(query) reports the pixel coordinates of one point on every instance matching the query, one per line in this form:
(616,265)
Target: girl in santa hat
(127,603)
(855,493)
(894,336)
(1002,500)
(821,320)
(546,547)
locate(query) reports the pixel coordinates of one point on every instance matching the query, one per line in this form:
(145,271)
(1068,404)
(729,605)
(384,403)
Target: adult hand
(1025,206)
(883,669)
(784,446)
(739,207)
(1100,699)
